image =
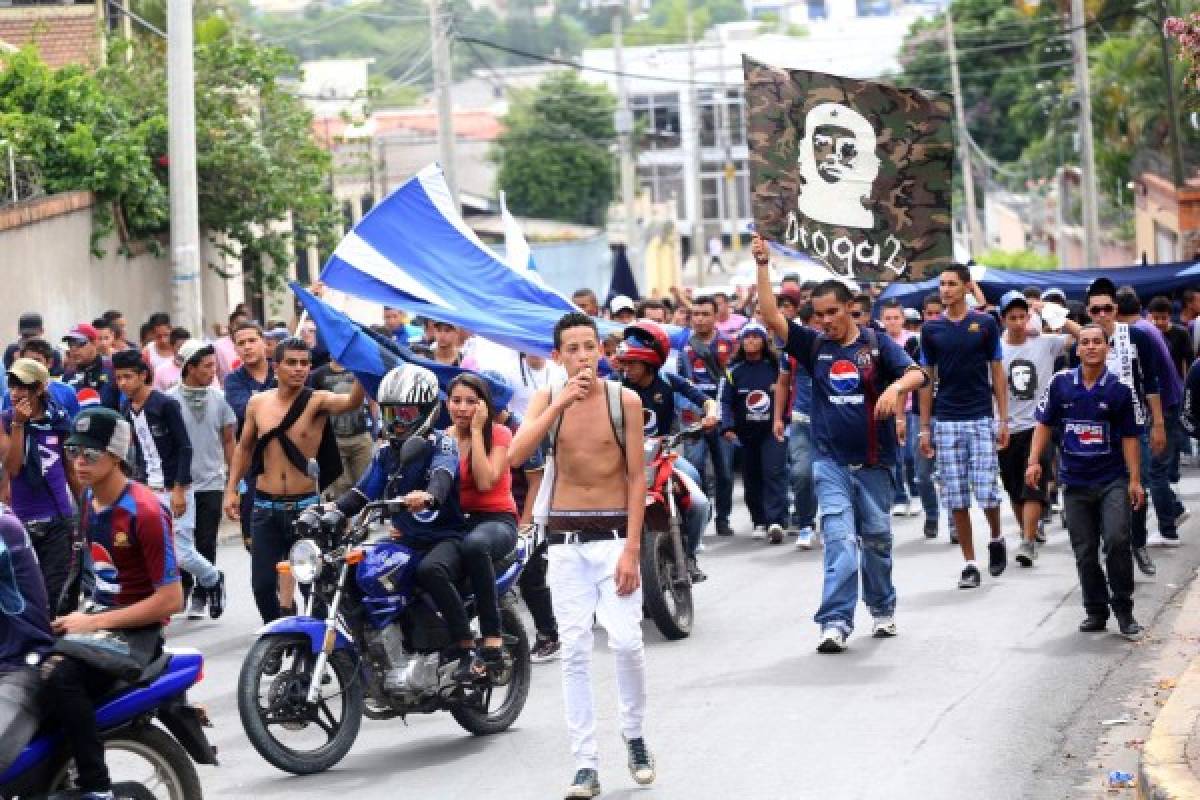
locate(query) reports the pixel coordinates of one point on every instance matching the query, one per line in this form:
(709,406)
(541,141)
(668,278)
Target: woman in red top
(485,493)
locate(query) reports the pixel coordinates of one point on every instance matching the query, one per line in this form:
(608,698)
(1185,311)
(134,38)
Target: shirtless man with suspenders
(282,490)
(594,524)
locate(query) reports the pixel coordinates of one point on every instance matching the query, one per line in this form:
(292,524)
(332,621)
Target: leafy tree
(555,158)
(1018,259)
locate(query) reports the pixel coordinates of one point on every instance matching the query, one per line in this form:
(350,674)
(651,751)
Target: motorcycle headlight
(305,559)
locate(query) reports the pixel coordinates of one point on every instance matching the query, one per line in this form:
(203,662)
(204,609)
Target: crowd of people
(837,411)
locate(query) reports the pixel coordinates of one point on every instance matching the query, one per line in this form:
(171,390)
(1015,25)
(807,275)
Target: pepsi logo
(698,365)
(649,420)
(758,402)
(88,397)
(843,376)
(1091,437)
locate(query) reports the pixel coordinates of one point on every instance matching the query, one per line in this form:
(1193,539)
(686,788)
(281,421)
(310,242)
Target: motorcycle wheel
(272,705)
(666,602)
(173,775)
(483,717)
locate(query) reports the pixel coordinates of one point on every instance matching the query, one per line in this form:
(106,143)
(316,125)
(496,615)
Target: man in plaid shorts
(962,350)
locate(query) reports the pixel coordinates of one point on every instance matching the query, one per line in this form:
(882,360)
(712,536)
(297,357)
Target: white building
(336,86)
(662,101)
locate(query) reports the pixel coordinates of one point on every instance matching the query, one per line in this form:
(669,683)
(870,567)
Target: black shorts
(1013,460)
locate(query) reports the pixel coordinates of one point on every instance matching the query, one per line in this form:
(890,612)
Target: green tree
(1018,259)
(555,156)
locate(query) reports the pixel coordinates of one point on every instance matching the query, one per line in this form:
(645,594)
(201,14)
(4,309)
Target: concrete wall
(46,265)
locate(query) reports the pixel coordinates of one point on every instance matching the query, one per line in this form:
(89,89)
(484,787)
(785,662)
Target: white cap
(621,303)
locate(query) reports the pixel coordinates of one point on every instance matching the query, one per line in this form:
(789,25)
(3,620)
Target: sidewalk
(1169,768)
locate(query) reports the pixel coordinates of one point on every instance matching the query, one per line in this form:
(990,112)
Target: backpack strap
(289,448)
(616,417)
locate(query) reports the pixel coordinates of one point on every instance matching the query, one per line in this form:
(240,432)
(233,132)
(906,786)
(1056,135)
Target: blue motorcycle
(368,643)
(146,760)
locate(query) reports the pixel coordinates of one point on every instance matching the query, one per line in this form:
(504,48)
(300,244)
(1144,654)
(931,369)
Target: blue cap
(1011,298)
(753,327)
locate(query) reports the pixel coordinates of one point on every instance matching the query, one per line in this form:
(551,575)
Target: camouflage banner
(854,173)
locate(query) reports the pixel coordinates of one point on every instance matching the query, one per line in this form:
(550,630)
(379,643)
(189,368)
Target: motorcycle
(126,720)
(376,652)
(666,581)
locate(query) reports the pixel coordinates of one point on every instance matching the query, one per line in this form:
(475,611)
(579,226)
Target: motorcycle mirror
(413,449)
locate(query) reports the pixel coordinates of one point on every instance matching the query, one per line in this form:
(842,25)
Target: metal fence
(20,179)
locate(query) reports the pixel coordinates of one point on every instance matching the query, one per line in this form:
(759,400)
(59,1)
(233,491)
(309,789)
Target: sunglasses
(1107,308)
(16,383)
(91,455)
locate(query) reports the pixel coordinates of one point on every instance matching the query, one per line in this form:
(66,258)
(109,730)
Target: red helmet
(645,341)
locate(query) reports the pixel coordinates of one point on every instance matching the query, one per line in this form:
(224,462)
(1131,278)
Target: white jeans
(581,583)
(186,554)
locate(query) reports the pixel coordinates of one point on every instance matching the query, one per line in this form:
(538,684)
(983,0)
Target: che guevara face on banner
(853,173)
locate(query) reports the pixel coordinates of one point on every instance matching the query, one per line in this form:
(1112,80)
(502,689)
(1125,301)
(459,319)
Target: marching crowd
(120,454)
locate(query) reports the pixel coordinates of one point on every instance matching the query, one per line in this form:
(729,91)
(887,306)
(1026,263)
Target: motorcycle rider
(433,521)
(642,354)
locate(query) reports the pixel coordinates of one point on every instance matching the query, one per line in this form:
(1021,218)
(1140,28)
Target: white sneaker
(884,627)
(900,510)
(775,534)
(759,532)
(911,509)
(804,539)
(832,641)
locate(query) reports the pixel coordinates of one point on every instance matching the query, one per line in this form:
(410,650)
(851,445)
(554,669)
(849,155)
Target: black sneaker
(641,761)
(197,604)
(1129,626)
(1093,623)
(970,577)
(545,649)
(585,785)
(216,597)
(470,667)
(931,528)
(694,570)
(997,557)
(1040,536)
(1141,557)
(953,536)
(723,528)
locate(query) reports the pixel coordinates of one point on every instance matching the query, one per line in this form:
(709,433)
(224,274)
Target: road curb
(1164,772)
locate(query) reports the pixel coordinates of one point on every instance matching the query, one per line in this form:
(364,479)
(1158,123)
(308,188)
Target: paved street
(978,697)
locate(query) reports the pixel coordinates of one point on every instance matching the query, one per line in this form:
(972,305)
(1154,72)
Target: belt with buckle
(285,505)
(583,537)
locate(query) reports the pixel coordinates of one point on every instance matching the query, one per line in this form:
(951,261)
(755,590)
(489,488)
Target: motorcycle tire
(667,604)
(158,747)
(299,762)
(481,723)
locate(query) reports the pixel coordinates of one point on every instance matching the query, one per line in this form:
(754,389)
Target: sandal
(470,669)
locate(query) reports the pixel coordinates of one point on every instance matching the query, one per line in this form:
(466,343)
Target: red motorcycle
(666,581)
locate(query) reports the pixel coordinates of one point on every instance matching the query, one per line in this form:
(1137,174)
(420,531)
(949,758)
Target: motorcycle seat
(500,565)
(151,673)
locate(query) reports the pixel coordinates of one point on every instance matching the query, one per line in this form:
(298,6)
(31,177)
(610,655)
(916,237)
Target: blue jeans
(924,469)
(764,473)
(714,446)
(800,461)
(856,525)
(1155,473)
(699,512)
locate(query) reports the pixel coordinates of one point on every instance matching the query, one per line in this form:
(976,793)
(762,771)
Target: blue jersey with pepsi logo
(748,398)
(696,362)
(846,383)
(1092,423)
(386,479)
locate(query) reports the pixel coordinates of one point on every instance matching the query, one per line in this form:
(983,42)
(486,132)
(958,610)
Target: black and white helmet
(408,402)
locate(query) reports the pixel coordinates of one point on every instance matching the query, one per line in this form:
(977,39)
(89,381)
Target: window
(657,115)
(710,198)
(715,131)
(664,184)
(817,9)
(715,193)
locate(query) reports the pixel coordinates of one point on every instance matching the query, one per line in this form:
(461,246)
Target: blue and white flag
(516,250)
(413,251)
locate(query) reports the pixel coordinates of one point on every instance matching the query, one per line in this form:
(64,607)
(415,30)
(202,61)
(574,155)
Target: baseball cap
(83,332)
(621,303)
(193,350)
(1054,294)
(1013,298)
(29,371)
(912,315)
(103,429)
(791,294)
(1102,286)
(29,324)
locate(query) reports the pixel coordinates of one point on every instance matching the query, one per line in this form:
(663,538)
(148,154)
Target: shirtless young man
(594,528)
(281,490)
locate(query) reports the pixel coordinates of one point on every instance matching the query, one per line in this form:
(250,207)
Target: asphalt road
(977,697)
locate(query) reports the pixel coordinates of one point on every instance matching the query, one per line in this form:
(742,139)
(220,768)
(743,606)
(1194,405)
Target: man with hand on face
(1100,469)
(860,380)
(275,458)
(596,499)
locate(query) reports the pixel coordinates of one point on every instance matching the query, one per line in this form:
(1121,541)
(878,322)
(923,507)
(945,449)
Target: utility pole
(1087,153)
(623,122)
(974,235)
(697,154)
(725,143)
(186,300)
(441,77)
